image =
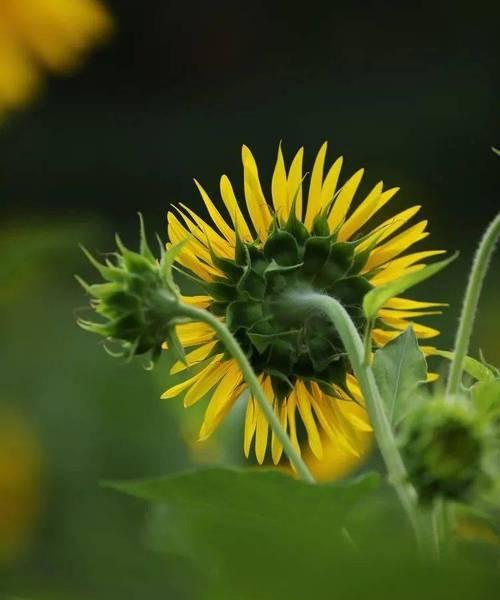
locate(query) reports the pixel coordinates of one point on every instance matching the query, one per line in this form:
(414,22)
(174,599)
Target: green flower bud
(138,300)
(443,445)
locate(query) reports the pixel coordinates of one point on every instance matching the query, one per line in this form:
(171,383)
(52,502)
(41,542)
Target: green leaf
(399,368)
(473,367)
(239,523)
(486,397)
(376,298)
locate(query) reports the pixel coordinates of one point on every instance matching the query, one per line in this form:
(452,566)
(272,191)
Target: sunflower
(44,34)
(243,266)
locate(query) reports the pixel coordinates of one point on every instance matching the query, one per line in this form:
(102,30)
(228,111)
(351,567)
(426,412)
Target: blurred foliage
(92,419)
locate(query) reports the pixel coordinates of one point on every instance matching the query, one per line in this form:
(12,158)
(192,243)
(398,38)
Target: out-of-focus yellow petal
(276,445)
(224,396)
(250,424)
(389,227)
(304,406)
(193,358)
(212,375)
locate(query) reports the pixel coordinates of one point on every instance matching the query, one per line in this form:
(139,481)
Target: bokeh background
(409,91)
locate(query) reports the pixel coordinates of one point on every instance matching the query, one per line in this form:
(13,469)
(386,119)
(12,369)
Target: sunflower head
(253,298)
(138,300)
(303,236)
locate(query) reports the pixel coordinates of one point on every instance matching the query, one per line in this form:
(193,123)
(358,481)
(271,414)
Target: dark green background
(409,91)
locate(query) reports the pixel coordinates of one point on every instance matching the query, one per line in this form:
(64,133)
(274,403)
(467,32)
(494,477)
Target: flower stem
(237,353)
(469,307)
(374,404)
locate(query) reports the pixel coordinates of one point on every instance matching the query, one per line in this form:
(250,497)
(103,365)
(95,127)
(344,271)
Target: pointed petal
(365,211)
(396,246)
(193,358)
(256,203)
(343,201)
(314,196)
(330,183)
(231,203)
(250,424)
(226,393)
(213,373)
(279,189)
(306,415)
(217,218)
(294,184)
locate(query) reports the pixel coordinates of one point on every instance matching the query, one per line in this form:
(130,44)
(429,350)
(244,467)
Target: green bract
(443,445)
(138,300)
(281,342)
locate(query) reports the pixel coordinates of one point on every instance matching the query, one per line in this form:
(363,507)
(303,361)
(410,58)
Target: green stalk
(311,301)
(469,307)
(237,353)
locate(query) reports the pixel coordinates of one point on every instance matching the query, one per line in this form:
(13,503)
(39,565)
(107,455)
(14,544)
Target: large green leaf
(261,535)
(399,368)
(376,298)
(245,527)
(473,367)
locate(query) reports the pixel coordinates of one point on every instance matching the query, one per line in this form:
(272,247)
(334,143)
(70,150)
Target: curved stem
(237,353)
(469,307)
(374,404)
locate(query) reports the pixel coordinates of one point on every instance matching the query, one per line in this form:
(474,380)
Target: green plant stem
(469,307)
(237,353)
(310,301)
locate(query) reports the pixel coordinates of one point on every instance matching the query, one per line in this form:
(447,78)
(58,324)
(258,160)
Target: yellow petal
(396,246)
(291,407)
(364,211)
(330,183)
(279,188)
(389,313)
(294,183)
(213,373)
(193,358)
(205,233)
(224,396)
(304,405)
(389,227)
(194,334)
(276,445)
(217,218)
(255,199)
(314,197)
(229,199)
(250,424)
(383,337)
(387,275)
(356,415)
(262,426)
(343,201)
(175,390)
(198,301)
(421,331)
(329,418)
(406,304)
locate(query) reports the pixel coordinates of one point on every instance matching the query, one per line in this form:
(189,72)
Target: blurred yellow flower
(20,484)
(44,34)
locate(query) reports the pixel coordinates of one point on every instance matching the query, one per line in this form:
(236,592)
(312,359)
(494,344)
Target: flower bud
(138,300)
(443,445)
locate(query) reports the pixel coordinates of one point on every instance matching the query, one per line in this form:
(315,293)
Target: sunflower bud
(138,300)
(443,445)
